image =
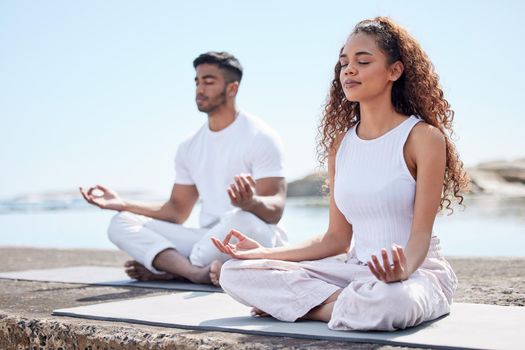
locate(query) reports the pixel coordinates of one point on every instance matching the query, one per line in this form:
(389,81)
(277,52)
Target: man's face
(210,91)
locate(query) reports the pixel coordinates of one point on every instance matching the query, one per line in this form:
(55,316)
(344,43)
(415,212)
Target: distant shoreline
(504,179)
(498,178)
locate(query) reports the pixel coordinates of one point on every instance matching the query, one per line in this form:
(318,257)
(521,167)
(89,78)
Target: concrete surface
(26,321)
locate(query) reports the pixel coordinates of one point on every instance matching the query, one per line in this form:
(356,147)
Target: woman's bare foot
(323,311)
(215,272)
(258,313)
(137,271)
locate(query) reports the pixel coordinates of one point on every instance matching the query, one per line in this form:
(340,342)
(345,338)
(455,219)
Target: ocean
(488,226)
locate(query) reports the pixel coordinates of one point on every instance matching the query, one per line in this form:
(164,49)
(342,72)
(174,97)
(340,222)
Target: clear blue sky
(103,91)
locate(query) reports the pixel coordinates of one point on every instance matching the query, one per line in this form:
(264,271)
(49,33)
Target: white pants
(143,237)
(288,290)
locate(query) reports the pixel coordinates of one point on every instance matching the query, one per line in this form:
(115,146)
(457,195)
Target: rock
(506,178)
(312,185)
(510,171)
(499,178)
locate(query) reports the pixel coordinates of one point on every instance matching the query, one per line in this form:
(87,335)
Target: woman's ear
(396,70)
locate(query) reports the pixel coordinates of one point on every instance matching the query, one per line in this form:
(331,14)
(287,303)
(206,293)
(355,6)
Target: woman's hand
(245,248)
(387,273)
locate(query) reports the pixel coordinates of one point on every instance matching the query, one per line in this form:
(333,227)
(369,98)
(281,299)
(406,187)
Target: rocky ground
(25,307)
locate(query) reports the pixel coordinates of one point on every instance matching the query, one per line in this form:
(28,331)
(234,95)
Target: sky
(103,91)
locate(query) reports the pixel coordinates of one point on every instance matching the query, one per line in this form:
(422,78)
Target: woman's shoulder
(426,137)
(425,131)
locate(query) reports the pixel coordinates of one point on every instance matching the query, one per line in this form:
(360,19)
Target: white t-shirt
(209,160)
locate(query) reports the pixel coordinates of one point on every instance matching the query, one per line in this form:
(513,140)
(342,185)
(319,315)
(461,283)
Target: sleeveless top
(375,191)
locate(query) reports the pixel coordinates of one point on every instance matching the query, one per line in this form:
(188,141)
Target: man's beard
(214,103)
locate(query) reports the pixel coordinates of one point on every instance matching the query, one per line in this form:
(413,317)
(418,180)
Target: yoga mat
(102,276)
(469,326)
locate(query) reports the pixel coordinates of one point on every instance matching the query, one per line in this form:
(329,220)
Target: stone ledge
(26,306)
(53,334)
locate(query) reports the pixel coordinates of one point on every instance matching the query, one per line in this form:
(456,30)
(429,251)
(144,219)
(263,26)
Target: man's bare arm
(176,209)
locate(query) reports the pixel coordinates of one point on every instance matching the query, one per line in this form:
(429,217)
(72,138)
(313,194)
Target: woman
(391,165)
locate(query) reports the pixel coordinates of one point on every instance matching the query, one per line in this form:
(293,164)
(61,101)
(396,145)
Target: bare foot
(258,313)
(323,311)
(215,272)
(200,275)
(137,271)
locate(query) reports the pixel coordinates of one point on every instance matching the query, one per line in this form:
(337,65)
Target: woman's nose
(349,69)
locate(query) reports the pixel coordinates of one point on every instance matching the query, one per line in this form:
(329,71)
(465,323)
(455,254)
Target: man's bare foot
(200,275)
(137,271)
(215,272)
(258,313)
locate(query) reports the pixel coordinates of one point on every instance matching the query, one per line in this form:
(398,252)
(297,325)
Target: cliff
(506,178)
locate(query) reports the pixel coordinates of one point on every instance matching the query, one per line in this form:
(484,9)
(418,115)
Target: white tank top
(374,189)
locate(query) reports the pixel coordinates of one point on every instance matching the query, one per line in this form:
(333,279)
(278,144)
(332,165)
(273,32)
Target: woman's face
(365,74)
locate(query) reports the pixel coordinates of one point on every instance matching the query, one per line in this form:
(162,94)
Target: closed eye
(343,65)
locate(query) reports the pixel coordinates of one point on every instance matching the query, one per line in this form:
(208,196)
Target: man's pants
(143,237)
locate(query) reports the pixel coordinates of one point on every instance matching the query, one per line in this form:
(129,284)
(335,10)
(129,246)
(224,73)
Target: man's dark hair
(225,61)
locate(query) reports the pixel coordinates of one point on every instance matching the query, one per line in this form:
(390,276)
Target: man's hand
(242,191)
(387,273)
(103,198)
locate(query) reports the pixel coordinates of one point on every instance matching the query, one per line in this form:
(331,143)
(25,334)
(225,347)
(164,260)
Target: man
(233,163)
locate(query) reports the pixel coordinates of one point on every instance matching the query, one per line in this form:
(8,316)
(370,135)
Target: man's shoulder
(194,138)
(257,126)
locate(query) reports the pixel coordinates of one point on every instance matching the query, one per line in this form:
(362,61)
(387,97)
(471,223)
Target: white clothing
(374,189)
(143,237)
(288,290)
(210,160)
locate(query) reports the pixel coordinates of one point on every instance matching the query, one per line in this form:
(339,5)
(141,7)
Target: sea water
(488,226)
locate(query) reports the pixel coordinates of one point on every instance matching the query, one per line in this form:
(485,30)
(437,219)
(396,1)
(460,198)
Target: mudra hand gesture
(245,248)
(102,197)
(242,191)
(386,272)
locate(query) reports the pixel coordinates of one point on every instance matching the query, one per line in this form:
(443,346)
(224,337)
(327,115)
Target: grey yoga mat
(469,326)
(100,275)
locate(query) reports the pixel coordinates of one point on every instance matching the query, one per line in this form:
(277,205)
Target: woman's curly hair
(416,92)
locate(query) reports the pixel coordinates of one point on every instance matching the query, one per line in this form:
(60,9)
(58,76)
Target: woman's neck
(377,118)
